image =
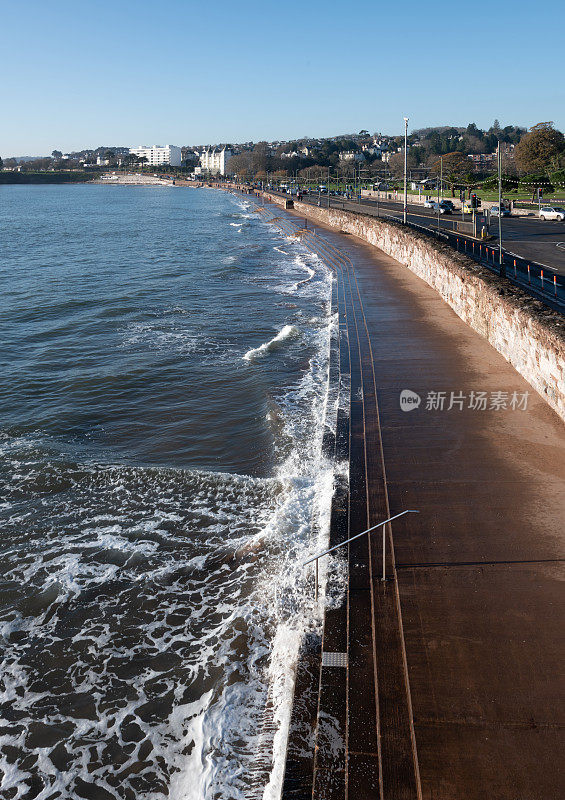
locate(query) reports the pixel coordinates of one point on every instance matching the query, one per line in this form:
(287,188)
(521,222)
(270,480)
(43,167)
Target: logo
(409,400)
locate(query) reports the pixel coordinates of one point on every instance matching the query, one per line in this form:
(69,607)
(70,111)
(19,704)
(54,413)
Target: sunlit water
(164,378)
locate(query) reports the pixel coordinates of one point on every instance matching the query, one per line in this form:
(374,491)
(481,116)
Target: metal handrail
(357,535)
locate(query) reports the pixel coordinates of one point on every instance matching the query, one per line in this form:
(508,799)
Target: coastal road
(527,237)
(534,239)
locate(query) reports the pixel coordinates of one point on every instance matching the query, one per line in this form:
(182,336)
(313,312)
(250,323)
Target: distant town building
(351,155)
(159,154)
(482,161)
(214,160)
(487,161)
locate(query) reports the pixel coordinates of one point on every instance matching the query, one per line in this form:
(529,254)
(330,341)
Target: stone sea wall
(527,333)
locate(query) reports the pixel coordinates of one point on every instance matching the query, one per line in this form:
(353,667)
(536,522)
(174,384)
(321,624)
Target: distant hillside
(47,177)
(23,159)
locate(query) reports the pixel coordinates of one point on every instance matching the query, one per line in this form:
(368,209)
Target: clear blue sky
(78,75)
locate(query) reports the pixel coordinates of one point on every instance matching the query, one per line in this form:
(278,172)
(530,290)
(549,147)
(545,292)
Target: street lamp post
(439,189)
(405,169)
(500,257)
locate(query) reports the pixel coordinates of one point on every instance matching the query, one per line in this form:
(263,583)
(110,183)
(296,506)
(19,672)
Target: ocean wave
(152,616)
(288,332)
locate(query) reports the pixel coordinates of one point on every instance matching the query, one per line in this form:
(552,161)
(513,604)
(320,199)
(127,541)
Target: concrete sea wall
(527,333)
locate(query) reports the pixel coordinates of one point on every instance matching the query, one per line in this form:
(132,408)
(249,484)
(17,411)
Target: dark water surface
(159,467)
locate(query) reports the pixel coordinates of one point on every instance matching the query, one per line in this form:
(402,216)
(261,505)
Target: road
(528,237)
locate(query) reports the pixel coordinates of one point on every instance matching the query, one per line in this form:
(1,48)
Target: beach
(129,179)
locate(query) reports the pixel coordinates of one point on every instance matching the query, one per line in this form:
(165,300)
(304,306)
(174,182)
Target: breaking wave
(288,332)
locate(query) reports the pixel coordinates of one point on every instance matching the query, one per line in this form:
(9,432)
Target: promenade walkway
(451,683)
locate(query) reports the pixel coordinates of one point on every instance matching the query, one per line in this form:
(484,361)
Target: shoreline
(279,725)
(137,179)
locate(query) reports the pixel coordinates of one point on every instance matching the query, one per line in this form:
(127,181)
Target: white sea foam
(162,336)
(288,332)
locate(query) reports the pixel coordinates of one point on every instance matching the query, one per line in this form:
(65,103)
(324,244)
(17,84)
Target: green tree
(541,149)
(531,183)
(472,130)
(557,178)
(508,183)
(1,164)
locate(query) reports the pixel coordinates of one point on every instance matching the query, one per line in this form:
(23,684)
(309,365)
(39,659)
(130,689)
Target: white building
(351,155)
(158,154)
(215,161)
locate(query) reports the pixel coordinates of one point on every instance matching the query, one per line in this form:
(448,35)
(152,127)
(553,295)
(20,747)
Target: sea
(163,395)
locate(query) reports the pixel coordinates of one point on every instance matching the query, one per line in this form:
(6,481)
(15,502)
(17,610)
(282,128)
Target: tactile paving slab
(334,659)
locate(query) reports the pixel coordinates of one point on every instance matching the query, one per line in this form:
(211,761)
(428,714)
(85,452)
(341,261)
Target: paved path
(454,688)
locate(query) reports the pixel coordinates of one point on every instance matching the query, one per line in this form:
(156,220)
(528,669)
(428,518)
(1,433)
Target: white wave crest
(289,331)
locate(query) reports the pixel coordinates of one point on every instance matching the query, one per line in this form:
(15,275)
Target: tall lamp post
(405,169)
(500,256)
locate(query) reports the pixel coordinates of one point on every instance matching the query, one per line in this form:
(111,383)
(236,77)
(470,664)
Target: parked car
(494,211)
(552,212)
